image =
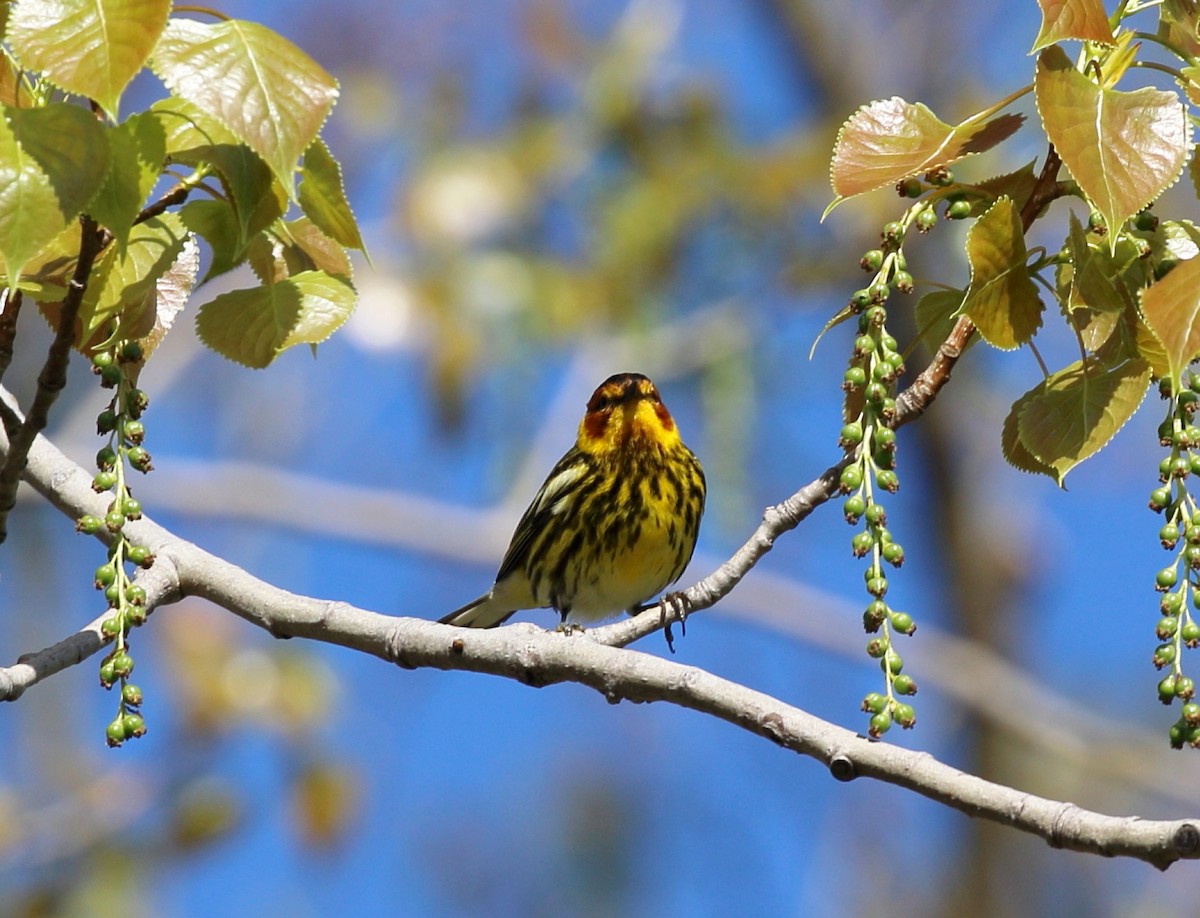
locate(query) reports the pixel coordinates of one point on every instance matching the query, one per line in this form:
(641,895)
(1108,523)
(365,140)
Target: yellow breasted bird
(614,523)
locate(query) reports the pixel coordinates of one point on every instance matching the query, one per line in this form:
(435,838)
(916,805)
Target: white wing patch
(554,487)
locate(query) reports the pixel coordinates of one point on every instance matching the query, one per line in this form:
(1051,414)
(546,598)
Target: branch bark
(537,658)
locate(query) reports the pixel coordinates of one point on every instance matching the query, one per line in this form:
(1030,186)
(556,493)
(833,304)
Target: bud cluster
(122,423)
(1179,581)
(869,440)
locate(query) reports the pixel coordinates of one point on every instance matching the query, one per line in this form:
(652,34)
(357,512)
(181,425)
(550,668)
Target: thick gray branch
(529,655)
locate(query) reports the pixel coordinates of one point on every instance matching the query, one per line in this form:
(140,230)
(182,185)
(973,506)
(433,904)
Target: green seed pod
(1171,603)
(910,188)
(1176,734)
(106,421)
(879,293)
(885,438)
(1166,578)
(1166,432)
(903,282)
(107,674)
(860,300)
(135,594)
(131,694)
(874,615)
(112,594)
(888,480)
(131,351)
(903,623)
(103,481)
(136,402)
(139,459)
(861,543)
(1190,713)
(874,703)
(958,210)
(926,220)
(877,647)
(110,376)
(88,524)
(892,661)
(139,555)
(879,724)
(1160,499)
(114,520)
(110,627)
(1166,689)
(877,587)
(122,663)
(131,508)
(134,431)
(105,574)
(854,378)
(1185,688)
(893,234)
(135,615)
(851,435)
(1181,467)
(872,260)
(876,316)
(134,725)
(1190,634)
(1096,223)
(1168,536)
(1164,655)
(102,359)
(851,478)
(114,733)
(904,715)
(904,684)
(106,459)
(893,554)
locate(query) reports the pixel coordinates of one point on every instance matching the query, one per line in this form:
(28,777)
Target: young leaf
(194,138)
(885,142)
(122,281)
(1123,148)
(52,160)
(1095,277)
(323,199)
(138,149)
(90,48)
(253,326)
(1075,412)
(171,292)
(1084,20)
(1171,309)
(1001,299)
(1011,446)
(269,93)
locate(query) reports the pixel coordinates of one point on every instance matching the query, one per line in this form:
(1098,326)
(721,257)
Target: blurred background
(552,191)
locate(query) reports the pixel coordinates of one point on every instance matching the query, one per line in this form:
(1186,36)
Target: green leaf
(1001,299)
(91,48)
(1084,20)
(122,284)
(194,138)
(888,141)
(1123,148)
(1017,185)
(138,149)
(936,313)
(1171,309)
(293,247)
(269,93)
(52,160)
(1075,412)
(1095,275)
(323,198)
(253,326)
(1011,446)
(216,222)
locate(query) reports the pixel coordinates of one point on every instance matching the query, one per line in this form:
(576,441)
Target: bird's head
(626,407)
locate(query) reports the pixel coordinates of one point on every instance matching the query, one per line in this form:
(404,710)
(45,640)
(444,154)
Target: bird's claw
(680,606)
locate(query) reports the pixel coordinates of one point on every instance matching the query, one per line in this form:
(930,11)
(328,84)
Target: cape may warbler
(614,523)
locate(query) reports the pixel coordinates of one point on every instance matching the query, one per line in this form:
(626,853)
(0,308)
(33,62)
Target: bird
(614,524)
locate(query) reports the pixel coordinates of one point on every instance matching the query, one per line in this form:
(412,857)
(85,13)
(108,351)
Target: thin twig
(53,377)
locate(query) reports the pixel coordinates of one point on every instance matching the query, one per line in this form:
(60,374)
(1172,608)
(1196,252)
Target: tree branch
(535,657)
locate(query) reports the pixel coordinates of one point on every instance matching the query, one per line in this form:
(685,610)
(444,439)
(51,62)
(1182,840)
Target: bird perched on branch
(614,523)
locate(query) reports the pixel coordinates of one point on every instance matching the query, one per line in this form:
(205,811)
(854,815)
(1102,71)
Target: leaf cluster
(217,158)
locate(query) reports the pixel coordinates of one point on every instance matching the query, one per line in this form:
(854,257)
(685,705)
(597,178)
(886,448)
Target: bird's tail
(484,612)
